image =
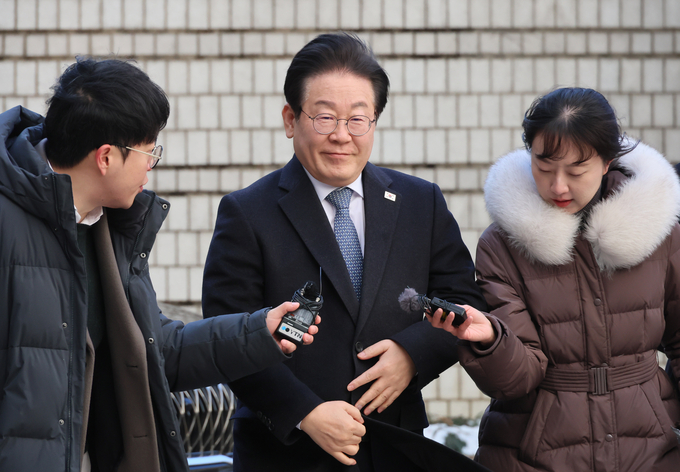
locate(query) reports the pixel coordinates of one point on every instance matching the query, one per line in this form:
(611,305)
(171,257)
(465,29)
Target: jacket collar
(25,178)
(624,228)
(302,207)
(381,217)
(133,231)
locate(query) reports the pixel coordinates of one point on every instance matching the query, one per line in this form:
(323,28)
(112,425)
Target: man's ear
(288,120)
(103,157)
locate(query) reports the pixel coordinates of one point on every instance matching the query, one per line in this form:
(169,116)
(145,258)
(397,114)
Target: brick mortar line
(672,55)
(360,31)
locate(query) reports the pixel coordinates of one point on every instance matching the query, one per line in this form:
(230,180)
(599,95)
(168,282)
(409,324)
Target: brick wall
(462,72)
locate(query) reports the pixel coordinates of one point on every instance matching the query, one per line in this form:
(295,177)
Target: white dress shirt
(356,204)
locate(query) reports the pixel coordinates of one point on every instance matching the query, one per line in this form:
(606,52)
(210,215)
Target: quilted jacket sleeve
(515,364)
(219,349)
(671,338)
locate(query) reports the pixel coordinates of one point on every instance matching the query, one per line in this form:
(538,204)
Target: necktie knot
(340,197)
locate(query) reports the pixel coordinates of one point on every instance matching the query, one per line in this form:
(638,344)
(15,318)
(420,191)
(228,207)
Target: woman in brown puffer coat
(581,271)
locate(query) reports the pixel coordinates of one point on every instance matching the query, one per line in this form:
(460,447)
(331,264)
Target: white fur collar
(623,229)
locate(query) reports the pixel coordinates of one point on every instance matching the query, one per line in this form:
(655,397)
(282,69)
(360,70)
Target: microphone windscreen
(410,301)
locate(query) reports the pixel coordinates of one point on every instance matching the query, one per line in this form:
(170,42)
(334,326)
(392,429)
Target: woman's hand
(476,327)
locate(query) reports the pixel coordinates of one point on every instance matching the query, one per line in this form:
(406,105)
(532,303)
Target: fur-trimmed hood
(623,229)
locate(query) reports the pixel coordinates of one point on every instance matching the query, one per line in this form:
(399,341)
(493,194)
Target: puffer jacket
(580,308)
(44,374)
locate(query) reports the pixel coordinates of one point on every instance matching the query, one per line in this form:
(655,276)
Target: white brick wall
(462,74)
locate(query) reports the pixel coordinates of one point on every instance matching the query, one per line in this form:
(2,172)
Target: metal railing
(204,415)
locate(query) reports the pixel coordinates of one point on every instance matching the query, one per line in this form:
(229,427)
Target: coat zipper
(69,405)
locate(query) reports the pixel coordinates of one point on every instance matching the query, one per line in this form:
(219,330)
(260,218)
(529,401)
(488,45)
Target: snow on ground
(439,431)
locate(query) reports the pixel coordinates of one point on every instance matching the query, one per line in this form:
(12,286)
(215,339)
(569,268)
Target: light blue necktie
(347,237)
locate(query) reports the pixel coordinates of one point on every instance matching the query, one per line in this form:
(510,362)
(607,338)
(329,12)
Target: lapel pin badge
(390,196)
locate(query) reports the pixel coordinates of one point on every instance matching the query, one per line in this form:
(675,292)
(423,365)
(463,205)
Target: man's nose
(341,132)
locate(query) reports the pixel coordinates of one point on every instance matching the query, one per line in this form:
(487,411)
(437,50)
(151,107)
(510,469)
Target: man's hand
(392,374)
(337,427)
(476,327)
(274,319)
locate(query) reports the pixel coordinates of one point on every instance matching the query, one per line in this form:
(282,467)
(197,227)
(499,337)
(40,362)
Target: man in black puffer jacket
(87,360)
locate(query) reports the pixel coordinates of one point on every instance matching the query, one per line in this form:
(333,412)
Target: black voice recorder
(293,325)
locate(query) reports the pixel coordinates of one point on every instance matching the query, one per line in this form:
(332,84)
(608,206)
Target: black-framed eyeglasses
(155,155)
(325,123)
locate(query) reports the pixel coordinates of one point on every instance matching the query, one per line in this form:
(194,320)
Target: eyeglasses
(155,154)
(325,123)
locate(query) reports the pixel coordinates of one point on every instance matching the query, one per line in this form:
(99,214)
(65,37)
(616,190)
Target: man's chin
(127,205)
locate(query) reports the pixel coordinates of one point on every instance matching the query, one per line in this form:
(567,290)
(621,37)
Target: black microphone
(411,301)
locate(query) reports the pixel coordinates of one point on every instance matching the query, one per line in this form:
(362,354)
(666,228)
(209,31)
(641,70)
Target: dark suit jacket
(273,236)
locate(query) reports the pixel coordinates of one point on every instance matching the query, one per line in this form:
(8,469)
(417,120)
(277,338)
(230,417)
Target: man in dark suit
(392,231)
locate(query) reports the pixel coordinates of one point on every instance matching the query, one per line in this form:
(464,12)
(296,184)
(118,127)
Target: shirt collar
(95,214)
(322,189)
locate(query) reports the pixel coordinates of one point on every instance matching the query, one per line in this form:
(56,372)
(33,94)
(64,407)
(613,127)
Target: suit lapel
(381,220)
(303,208)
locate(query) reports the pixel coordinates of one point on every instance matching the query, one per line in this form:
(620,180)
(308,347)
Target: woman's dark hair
(580,117)
(336,52)
(102,102)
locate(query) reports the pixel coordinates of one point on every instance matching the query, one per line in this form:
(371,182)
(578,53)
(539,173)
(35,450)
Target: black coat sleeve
(235,277)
